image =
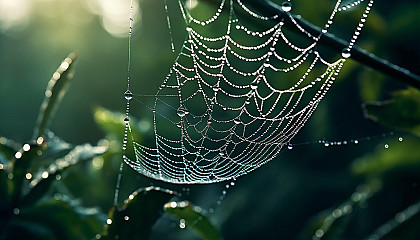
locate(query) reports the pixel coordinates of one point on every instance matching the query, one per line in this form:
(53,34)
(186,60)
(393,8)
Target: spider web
(235,96)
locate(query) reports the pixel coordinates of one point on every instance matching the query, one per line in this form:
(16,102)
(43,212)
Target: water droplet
(126,120)
(237,121)
(45,175)
(400,139)
(386,146)
(232,183)
(286,6)
(16,211)
(189,29)
(290,146)
(254,85)
(109,221)
(26,147)
(128,95)
(400,217)
(28,176)
(221,154)
(182,223)
(126,218)
(18,155)
(216,88)
(336,213)
(224,192)
(346,53)
(319,233)
(356,141)
(181,112)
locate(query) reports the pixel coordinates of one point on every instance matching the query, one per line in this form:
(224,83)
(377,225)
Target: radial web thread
(235,96)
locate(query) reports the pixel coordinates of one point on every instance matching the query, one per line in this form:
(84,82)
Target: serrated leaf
(401,112)
(193,217)
(57,87)
(138,215)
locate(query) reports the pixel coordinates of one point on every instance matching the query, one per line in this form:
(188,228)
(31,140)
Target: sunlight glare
(14,14)
(115,15)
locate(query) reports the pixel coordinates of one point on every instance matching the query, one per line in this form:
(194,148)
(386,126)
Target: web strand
(235,96)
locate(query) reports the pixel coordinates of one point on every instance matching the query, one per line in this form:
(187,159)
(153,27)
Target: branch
(337,44)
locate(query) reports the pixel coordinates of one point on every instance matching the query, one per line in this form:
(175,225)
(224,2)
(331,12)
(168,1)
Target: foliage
(29,175)
(134,220)
(35,205)
(351,191)
(192,216)
(401,112)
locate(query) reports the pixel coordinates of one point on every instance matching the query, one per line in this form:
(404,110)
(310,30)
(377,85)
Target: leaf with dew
(401,112)
(8,148)
(57,219)
(135,219)
(20,165)
(192,216)
(57,87)
(42,183)
(113,123)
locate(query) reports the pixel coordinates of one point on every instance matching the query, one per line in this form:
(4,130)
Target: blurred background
(283,199)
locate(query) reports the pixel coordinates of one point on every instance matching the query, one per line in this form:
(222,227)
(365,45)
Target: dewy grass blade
(57,87)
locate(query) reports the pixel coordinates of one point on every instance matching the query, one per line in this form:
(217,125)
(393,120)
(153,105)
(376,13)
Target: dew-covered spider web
(241,87)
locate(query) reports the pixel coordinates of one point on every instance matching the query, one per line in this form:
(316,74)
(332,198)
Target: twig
(337,44)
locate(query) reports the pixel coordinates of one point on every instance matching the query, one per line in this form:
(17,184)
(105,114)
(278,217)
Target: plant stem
(337,44)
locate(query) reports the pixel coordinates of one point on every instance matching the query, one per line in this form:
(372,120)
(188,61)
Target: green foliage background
(288,198)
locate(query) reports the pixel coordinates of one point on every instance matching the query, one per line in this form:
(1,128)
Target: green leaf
(57,87)
(398,158)
(138,215)
(192,216)
(401,112)
(4,189)
(8,148)
(113,123)
(329,224)
(20,165)
(42,184)
(63,220)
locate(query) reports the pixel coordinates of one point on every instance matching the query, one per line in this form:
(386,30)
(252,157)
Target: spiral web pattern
(235,96)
